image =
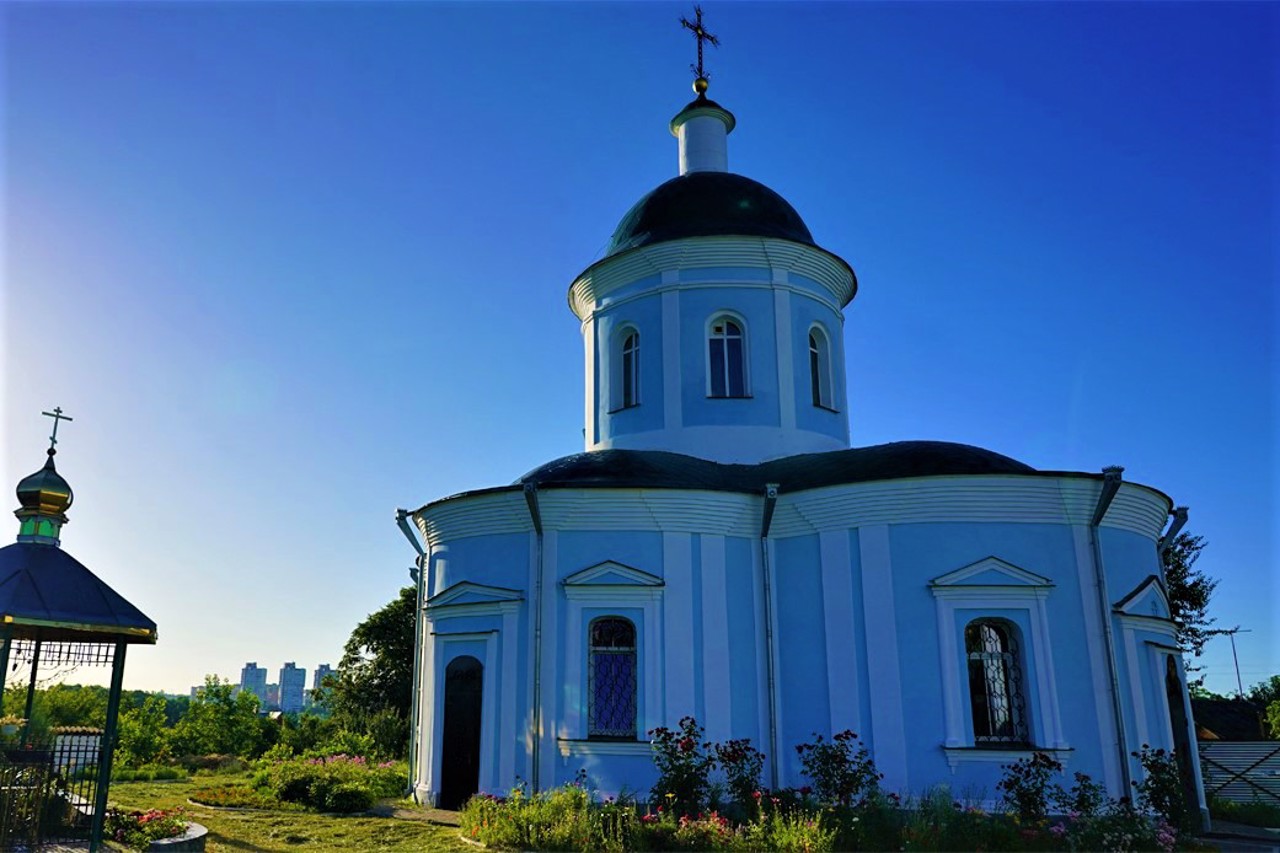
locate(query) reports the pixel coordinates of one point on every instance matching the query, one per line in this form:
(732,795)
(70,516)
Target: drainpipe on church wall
(535,516)
(1110,486)
(418,573)
(770,501)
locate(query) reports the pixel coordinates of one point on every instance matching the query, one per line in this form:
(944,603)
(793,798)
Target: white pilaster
(507,742)
(1108,737)
(717,690)
(888,732)
(551,681)
(672,413)
(1135,686)
(786,363)
(842,648)
(590,420)
(677,573)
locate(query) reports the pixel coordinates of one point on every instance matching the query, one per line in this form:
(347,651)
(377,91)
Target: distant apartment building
(253,678)
(293,681)
(317,681)
(273,697)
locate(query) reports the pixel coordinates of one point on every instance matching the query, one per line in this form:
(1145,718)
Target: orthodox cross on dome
(57,415)
(701,35)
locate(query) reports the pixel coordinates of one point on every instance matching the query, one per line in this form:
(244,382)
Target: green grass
(1253,814)
(257,830)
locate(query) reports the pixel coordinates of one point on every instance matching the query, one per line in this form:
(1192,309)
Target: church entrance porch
(460,753)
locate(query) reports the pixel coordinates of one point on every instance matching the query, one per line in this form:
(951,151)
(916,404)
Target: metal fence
(47,791)
(1241,771)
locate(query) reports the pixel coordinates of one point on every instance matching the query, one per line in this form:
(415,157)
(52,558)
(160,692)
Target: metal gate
(1241,771)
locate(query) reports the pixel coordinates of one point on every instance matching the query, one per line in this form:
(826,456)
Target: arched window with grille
(629,391)
(726,358)
(995,684)
(820,368)
(611,673)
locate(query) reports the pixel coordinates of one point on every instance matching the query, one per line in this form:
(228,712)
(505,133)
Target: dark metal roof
(658,469)
(705,204)
(46,591)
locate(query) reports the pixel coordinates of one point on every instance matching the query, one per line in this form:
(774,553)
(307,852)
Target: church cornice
(781,257)
(979,499)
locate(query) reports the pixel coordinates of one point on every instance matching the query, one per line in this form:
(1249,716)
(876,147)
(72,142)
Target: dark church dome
(706,204)
(656,469)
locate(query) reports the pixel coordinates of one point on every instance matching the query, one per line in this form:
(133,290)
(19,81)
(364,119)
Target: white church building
(720,550)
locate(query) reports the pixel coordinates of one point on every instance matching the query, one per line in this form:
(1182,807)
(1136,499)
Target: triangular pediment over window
(1147,599)
(991,571)
(610,573)
(473,593)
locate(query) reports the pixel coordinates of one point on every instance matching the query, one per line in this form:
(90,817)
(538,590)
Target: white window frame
(823,392)
(614,590)
(712,335)
(991,588)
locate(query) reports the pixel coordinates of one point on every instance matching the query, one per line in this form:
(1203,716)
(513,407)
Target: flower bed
(137,829)
(844,809)
(237,797)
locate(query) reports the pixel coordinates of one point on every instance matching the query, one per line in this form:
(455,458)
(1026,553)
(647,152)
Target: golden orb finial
(700,85)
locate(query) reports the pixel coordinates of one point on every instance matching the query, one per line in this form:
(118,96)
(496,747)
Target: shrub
(684,763)
(841,769)
(705,832)
(1255,813)
(1160,791)
(347,797)
(742,764)
(1024,788)
(213,763)
(330,784)
(1086,798)
(797,831)
(137,829)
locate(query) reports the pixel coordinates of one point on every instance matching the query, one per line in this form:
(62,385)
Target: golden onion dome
(45,492)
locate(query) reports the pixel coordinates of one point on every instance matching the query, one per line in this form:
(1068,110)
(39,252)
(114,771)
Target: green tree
(1189,592)
(374,679)
(1273,719)
(143,735)
(1265,692)
(219,721)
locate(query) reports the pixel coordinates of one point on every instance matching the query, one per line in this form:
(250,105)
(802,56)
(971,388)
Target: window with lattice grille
(611,675)
(995,684)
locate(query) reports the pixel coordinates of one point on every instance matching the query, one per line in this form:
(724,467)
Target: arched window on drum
(726,357)
(820,368)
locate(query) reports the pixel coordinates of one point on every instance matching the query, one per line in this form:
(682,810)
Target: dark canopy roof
(703,204)
(661,470)
(45,590)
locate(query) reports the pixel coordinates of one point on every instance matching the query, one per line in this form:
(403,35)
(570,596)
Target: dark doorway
(1182,745)
(460,756)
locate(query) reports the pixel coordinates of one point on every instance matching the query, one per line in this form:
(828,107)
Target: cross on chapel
(57,415)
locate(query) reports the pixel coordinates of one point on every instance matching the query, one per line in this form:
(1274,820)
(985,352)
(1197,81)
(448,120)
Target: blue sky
(292,266)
